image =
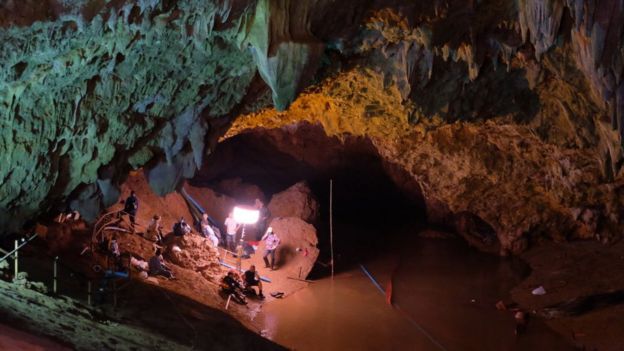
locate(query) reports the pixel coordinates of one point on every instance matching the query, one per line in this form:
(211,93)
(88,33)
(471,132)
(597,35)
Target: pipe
(409,318)
(372,279)
(191,200)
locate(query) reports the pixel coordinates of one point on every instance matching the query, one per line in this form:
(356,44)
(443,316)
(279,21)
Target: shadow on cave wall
(495,92)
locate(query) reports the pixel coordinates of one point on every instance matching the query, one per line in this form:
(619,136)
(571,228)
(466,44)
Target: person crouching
(252,278)
(157,266)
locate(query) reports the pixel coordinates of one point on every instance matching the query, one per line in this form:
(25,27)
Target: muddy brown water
(446,294)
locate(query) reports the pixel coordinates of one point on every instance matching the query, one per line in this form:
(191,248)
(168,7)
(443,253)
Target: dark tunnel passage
(368,206)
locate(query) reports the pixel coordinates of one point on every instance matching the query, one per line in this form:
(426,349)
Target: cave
(442,175)
(366,200)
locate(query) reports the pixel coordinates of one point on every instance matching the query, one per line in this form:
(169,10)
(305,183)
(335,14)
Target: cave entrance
(368,207)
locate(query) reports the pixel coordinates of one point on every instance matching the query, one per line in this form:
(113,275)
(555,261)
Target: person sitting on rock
(181,228)
(131,207)
(154,229)
(271,242)
(252,278)
(207,230)
(157,266)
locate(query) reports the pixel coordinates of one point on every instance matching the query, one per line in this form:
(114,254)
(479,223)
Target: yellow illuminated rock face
(499,170)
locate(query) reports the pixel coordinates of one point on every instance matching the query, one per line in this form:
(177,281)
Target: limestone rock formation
(296,201)
(101,88)
(499,171)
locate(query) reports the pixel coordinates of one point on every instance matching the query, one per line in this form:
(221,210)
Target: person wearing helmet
(181,228)
(271,242)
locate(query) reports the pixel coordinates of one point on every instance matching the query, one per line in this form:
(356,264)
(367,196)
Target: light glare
(246,215)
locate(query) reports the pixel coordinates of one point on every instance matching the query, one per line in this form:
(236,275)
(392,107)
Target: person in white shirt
(207,230)
(231,227)
(154,229)
(114,247)
(271,242)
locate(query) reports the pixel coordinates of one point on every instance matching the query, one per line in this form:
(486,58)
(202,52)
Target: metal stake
(331,225)
(16,260)
(54,284)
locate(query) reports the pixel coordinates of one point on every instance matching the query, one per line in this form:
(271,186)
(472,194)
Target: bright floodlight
(246,215)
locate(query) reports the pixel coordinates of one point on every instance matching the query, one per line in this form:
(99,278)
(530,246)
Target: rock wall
(494,174)
(104,87)
(296,201)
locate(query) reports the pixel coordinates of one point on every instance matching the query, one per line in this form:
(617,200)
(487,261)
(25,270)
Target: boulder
(477,233)
(298,250)
(296,201)
(195,253)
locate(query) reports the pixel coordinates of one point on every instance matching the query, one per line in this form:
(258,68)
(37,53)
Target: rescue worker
(252,278)
(271,242)
(131,207)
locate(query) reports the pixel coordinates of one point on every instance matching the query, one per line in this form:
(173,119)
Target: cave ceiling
(91,90)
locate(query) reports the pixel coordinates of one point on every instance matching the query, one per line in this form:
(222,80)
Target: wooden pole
(16,260)
(331,225)
(54,284)
(301,280)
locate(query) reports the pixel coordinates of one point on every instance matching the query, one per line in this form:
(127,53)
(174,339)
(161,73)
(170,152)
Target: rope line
(409,318)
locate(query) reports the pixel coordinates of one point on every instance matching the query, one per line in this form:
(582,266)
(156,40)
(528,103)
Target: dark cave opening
(368,206)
